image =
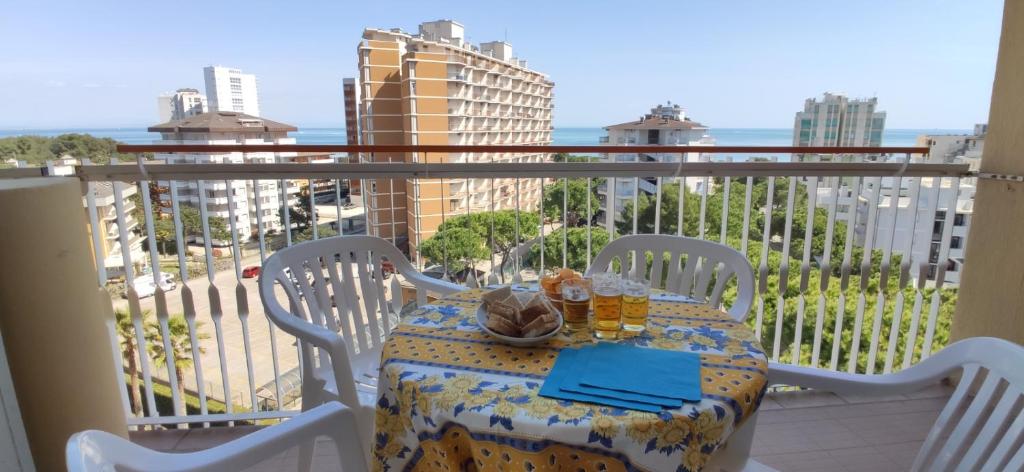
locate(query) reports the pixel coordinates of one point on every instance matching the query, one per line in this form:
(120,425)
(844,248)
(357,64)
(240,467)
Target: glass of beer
(575,303)
(635,306)
(607,305)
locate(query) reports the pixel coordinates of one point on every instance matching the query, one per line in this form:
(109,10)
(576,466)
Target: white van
(144,286)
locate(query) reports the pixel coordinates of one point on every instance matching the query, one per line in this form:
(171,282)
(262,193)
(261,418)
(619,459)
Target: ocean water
(560,136)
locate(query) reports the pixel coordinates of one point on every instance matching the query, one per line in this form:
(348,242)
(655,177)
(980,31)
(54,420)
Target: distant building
(436,88)
(665,125)
(350,91)
(183,103)
(230,90)
(836,120)
(351,97)
(923,232)
(223,127)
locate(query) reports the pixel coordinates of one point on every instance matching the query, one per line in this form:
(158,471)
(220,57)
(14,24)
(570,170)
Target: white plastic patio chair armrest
(906,381)
(316,335)
(331,419)
(436,285)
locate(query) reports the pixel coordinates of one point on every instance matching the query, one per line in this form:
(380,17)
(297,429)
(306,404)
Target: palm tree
(181,348)
(126,331)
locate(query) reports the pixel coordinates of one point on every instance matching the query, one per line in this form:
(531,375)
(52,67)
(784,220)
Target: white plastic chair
(982,425)
(341,345)
(95,451)
(692,276)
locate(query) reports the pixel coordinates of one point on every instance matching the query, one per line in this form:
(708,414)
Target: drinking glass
(575,303)
(607,305)
(635,306)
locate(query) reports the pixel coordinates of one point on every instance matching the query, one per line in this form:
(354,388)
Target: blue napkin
(657,372)
(583,364)
(564,367)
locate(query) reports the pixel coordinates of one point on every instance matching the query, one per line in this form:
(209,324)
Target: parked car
(250,272)
(144,286)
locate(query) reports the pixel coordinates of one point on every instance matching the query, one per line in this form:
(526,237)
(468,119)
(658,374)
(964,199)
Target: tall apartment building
(665,125)
(230,90)
(350,94)
(433,87)
(183,103)
(836,120)
(253,204)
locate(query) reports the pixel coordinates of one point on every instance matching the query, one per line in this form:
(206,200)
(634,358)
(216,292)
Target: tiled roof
(221,121)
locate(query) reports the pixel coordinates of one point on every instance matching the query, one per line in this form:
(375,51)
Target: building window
(956,243)
(951,266)
(959,219)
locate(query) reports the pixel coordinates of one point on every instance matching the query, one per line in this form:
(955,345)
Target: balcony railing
(836,288)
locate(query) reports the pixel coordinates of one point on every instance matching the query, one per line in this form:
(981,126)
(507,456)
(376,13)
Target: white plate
(481,319)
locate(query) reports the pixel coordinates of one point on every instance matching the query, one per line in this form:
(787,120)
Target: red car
(250,272)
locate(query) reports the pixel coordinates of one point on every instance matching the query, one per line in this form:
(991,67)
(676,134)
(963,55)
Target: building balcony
(249,364)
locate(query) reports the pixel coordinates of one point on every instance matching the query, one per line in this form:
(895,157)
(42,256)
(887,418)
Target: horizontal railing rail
(385,170)
(522,149)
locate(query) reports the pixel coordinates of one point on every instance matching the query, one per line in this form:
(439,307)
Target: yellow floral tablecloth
(452,398)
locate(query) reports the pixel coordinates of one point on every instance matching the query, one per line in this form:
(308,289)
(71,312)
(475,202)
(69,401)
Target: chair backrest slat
(362,335)
(1001,414)
(947,418)
(369,298)
(970,421)
(1011,439)
(724,275)
(657,265)
(383,306)
(342,300)
(704,262)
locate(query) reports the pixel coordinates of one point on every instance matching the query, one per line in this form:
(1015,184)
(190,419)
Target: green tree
(299,215)
(322,231)
(480,224)
(181,348)
(463,247)
(36,150)
(566,157)
(191,226)
(576,257)
(576,205)
(129,350)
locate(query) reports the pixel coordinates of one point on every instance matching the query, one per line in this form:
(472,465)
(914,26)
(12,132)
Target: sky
(730,64)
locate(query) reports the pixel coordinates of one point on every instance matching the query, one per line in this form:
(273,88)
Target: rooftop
(649,122)
(220,122)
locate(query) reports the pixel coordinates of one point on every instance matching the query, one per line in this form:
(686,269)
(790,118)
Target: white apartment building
(252,204)
(665,125)
(836,120)
(183,103)
(434,87)
(230,90)
(922,234)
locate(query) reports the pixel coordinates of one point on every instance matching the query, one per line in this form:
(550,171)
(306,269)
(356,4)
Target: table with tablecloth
(452,398)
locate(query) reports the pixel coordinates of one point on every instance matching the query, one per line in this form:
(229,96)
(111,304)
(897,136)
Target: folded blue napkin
(566,366)
(657,372)
(583,364)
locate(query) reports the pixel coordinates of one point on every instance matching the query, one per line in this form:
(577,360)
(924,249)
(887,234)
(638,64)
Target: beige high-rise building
(435,88)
